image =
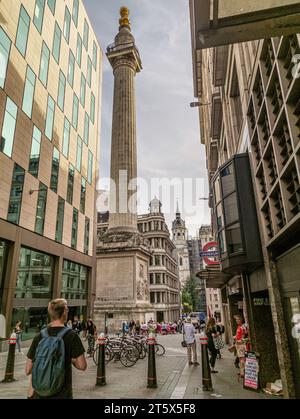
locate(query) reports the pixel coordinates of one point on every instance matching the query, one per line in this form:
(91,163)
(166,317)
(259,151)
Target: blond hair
(56,308)
(210,324)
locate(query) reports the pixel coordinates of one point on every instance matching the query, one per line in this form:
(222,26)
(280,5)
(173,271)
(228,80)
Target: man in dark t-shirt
(74,350)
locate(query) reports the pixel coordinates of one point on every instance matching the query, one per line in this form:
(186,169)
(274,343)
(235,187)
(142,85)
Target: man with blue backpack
(51,356)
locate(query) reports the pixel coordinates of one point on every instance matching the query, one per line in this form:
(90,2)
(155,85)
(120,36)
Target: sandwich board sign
(251,374)
(2,327)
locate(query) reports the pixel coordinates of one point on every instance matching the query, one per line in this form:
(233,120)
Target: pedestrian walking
(76,326)
(211,332)
(220,330)
(52,375)
(241,341)
(190,339)
(91,336)
(18,332)
(137,328)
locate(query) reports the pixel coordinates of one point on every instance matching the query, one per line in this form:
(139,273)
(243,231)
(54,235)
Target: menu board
(251,371)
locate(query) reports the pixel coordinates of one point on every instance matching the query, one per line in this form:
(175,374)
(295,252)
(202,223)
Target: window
(29,92)
(79,50)
(39,14)
(41,209)
(52,5)
(67,25)
(50,118)
(95,55)
(56,43)
(89,71)
(70,185)
(5,44)
(23,30)
(34,158)
(66,138)
(87,236)
(82,90)
(60,219)
(75,111)
(86,31)
(75,12)
(16,192)
(74,229)
(44,66)
(152,297)
(86,133)
(74,281)
(61,91)
(92,111)
(79,154)
(35,277)
(71,69)
(90,168)
(9,126)
(83,195)
(54,170)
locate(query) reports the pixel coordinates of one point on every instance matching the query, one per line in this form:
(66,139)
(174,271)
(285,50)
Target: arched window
(180,261)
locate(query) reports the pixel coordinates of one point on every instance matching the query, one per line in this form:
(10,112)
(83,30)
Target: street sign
(212,254)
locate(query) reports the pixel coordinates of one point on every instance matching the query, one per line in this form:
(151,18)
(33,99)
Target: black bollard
(101,363)
(152,381)
(206,375)
(10,364)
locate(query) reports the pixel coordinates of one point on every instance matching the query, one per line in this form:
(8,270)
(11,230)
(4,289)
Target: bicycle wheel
(108,355)
(129,356)
(159,349)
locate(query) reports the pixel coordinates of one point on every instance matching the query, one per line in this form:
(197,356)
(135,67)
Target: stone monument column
(125,61)
(123,254)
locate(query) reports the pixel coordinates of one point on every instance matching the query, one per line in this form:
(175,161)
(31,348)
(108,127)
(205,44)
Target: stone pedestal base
(122,290)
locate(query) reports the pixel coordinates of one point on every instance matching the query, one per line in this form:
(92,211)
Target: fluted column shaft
(123,211)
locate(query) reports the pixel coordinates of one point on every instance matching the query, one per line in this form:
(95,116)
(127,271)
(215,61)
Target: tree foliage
(189,300)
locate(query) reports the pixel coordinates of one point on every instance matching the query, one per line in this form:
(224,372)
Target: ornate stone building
(179,238)
(163,270)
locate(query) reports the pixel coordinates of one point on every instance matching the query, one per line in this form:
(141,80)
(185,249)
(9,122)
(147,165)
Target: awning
(213,276)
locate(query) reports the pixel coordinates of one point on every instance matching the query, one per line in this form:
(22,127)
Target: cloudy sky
(168,129)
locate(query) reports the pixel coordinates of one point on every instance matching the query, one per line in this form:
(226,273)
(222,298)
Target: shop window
(35,275)
(74,281)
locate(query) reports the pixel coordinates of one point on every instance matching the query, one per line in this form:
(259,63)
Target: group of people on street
(215,342)
(162,328)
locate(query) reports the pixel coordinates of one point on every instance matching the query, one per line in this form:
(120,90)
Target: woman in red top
(241,339)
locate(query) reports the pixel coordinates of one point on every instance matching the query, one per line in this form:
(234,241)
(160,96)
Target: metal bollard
(152,381)
(10,364)
(206,375)
(101,362)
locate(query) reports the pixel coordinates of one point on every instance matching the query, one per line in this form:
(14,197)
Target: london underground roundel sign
(210,253)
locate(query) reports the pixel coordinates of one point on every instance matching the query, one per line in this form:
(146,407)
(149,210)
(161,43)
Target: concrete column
(11,279)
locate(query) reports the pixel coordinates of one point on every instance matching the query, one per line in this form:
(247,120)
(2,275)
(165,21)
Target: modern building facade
(50,87)
(163,277)
(179,238)
(249,120)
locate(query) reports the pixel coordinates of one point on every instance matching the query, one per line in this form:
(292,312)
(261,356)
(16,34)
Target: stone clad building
(163,269)
(50,85)
(179,238)
(249,107)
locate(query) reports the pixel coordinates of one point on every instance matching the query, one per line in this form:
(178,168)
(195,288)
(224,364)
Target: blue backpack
(48,371)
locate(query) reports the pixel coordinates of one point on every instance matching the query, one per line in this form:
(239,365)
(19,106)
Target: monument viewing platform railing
(117,47)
